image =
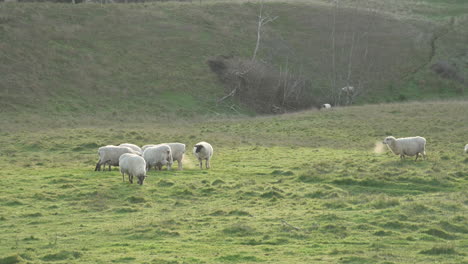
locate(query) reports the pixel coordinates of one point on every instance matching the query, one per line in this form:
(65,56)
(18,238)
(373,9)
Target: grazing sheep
(409,146)
(348,89)
(466,148)
(147,146)
(325,106)
(110,155)
(134,166)
(158,156)
(203,151)
(132,146)
(177,150)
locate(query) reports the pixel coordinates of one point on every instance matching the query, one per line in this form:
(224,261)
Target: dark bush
(261,87)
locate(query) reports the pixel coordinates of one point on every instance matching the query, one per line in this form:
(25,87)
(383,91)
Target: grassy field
(150,60)
(310,187)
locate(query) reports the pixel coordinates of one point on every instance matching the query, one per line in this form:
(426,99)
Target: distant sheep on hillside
(409,146)
(325,106)
(348,90)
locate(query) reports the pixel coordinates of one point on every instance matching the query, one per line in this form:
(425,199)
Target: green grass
(310,187)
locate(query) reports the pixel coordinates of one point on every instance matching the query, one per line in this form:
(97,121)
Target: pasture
(310,187)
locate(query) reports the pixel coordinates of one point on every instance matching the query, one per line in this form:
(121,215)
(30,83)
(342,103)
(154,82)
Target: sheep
(409,146)
(132,146)
(110,155)
(203,151)
(134,166)
(325,106)
(177,150)
(147,146)
(466,148)
(158,156)
(348,89)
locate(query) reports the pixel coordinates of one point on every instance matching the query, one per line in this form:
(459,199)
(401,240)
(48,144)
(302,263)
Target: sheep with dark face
(109,155)
(203,151)
(325,106)
(134,166)
(409,146)
(158,156)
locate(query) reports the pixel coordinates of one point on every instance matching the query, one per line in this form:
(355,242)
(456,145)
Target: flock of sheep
(136,162)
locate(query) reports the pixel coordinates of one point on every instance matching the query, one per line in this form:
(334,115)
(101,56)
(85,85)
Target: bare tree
(352,67)
(262,20)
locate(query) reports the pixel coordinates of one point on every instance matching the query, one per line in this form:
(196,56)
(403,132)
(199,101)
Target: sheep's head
(141,179)
(389,140)
(198,148)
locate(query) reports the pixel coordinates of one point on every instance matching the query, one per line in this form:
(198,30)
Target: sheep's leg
(417,156)
(207,163)
(201,163)
(130,178)
(98,166)
(179,163)
(123,176)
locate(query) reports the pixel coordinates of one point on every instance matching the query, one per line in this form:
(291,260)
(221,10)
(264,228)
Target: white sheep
(147,146)
(134,166)
(203,151)
(177,150)
(158,156)
(409,146)
(325,106)
(132,146)
(348,89)
(110,155)
(466,148)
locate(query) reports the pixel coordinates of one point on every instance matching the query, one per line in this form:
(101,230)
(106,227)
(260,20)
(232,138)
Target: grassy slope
(136,61)
(310,187)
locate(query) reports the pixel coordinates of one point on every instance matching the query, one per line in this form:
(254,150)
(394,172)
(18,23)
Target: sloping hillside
(145,61)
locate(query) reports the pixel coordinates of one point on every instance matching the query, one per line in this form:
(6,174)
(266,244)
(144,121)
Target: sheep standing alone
(177,150)
(158,156)
(325,106)
(466,148)
(134,166)
(132,146)
(409,146)
(110,155)
(203,151)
